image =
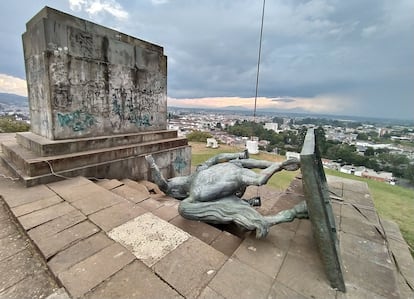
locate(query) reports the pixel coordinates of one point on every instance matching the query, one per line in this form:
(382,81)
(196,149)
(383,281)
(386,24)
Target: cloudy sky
(349,57)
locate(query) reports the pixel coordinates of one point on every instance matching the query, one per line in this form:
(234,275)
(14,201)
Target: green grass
(392,202)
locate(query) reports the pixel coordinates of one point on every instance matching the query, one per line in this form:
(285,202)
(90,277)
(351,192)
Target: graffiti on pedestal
(179,164)
(133,106)
(93,96)
(61,96)
(77,120)
(81,42)
(85,92)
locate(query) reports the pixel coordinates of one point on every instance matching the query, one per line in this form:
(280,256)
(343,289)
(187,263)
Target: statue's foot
(150,160)
(254,202)
(298,211)
(303,215)
(262,231)
(244,154)
(301,210)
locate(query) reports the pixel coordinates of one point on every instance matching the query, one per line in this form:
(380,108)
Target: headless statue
(213,192)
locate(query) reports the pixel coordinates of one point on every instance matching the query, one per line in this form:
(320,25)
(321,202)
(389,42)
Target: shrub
(198,136)
(9,125)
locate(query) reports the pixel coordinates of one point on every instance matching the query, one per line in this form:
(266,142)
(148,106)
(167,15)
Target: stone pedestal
(98,104)
(86,80)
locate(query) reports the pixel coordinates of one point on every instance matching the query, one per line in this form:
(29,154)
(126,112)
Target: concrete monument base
(98,105)
(38,160)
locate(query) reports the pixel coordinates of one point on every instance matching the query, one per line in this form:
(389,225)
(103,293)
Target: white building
(212,142)
(292,155)
(252,146)
(350,169)
(272,126)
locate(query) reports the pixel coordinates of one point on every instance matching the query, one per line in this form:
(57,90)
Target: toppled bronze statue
(213,192)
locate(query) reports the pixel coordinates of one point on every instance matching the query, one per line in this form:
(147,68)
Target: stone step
(152,188)
(134,227)
(166,208)
(132,194)
(46,147)
(109,184)
(135,185)
(225,239)
(117,168)
(33,165)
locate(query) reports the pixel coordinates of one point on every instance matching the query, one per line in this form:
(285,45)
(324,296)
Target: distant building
(252,146)
(272,126)
(379,176)
(350,169)
(212,142)
(361,149)
(264,143)
(369,173)
(330,164)
(292,155)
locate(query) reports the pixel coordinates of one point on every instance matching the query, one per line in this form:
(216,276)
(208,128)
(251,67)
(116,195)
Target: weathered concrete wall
(87,80)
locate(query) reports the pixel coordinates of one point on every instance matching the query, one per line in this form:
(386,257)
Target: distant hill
(293,113)
(13,100)
(235,108)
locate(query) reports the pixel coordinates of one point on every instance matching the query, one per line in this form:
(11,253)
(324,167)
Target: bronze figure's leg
(223,157)
(226,210)
(156,174)
(251,178)
(232,209)
(299,211)
(176,187)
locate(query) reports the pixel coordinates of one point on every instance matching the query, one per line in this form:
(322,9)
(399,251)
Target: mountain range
(10,99)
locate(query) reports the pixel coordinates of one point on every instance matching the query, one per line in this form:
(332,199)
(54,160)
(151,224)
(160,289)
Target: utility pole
(258,60)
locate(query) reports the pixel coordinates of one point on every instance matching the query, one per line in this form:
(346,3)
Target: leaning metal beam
(320,210)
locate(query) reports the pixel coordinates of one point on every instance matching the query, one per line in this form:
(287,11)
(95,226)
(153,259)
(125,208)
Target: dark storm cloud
(358,50)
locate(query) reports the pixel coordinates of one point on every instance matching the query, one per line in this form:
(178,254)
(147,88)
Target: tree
(278,120)
(270,147)
(409,173)
(373,164)
(198,136)
(346,153)
(362,136)
(321,140)
(10,125)
(369,152)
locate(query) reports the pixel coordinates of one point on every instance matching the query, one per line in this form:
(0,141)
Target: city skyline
(329,57)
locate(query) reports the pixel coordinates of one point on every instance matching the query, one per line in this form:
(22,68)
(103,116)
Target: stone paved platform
(124,239)
(23,273)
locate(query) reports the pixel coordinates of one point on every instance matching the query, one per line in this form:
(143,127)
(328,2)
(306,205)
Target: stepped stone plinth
(98,104)
(118,156)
